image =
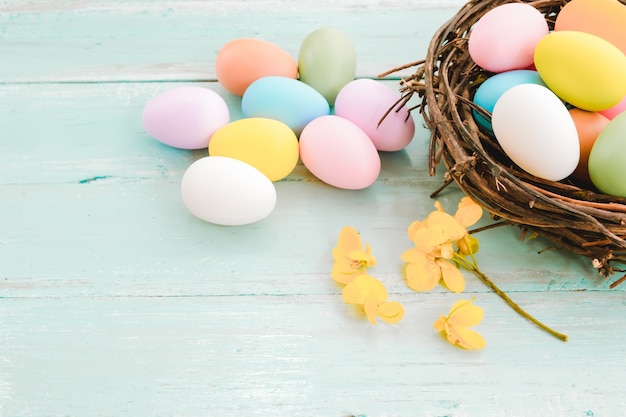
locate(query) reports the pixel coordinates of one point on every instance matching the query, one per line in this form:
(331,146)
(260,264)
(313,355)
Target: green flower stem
(473,267)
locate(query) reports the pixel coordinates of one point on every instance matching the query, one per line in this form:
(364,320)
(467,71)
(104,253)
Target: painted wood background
(115,301)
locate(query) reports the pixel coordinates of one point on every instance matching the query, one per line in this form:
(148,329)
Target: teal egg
(607,169)
(327,61)
(492,89)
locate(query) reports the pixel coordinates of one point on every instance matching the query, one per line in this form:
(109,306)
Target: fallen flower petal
(463,314)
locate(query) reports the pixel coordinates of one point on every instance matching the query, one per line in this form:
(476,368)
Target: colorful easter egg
(227,191)
(242,61)
(339,153)
(607,169)
(603,18)
(588,125)
(185,117)
(290,101)
(535,129)
(267,144)
(583,69)
(364,102)
(505,37)
(327,61)
(488,93)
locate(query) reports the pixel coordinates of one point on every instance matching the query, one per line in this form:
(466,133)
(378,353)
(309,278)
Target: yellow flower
(435,240)
(424,271)
(436,233)
(371,296)
(350,258)
(463,314)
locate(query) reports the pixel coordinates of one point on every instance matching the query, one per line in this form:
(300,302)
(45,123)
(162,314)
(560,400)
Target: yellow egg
(267,144)
(582,69)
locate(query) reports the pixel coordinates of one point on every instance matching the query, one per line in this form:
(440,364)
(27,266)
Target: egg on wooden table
(267,144)
(364,102)
(535,129)
(242,61)
(227,191)
(285,99)
(185,117)
(339,153)
(327,61)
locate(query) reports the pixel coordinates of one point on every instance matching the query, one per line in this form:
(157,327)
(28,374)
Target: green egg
(327,61)
(607,160)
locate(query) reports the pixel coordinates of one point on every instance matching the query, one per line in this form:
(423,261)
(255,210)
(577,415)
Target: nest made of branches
(577,218)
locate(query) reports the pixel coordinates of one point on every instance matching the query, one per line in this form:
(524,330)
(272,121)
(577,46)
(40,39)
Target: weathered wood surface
(115,301)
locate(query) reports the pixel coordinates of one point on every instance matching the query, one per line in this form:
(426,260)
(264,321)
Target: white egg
(535,129)
(227,191)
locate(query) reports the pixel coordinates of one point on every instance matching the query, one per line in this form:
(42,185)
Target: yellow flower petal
(413,228)
(468,212)
(465,338)
(425,240)
(413,255)
(352,293)
(362,286)
(451,276)
(370,306)
(465,314)
(444,228)
(462,314)
(440,324)
(391,312)
(423,275)
(348,240)
(342,276)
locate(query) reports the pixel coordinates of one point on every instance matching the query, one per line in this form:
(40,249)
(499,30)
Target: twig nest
(573,214)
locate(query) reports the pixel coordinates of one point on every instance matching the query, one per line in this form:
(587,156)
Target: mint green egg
(327,62)
(607,160)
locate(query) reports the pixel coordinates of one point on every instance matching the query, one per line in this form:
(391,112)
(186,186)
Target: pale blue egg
(492,89)
(289,101)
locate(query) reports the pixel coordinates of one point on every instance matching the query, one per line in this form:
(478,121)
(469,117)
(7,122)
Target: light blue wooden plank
(302,355)
(116,301)
(73,182)
(102,41)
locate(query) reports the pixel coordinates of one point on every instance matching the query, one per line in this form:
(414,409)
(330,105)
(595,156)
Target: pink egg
(364,102)
(339,153)
(185,117)
(615,110)
(505,37)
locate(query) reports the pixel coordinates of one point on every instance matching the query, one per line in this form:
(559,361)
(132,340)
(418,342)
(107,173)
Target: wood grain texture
(115,301)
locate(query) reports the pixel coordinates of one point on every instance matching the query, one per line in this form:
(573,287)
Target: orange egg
(603,18)
(588,125)
(242,61)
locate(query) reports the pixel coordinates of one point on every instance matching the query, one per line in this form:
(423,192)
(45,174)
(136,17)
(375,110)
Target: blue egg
(492,89)
(287,100)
